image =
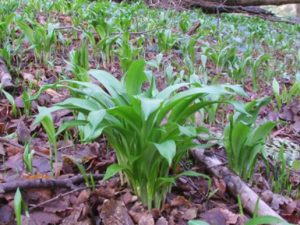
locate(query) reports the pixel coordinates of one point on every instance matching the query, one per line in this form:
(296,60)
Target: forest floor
(46,42)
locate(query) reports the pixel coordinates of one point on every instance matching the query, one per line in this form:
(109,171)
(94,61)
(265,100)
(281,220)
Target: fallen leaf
(180,201)
(43,218)
(6,214)
(161,221)
(114,212)
(214,216)
(23,132)
(78,216)
(83,197)
(146,220)
(190,214)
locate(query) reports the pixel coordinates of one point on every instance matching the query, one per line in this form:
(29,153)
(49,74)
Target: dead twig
(45,183)
(41,204)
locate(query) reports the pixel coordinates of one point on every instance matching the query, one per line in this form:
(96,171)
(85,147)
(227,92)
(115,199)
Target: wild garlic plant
(244,141)
(147,128)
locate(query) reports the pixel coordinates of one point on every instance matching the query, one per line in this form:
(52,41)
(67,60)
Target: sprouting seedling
(26,97)
(88,179)
(45,119)
(79,61)
(28,157)
(10,99)
(19,206)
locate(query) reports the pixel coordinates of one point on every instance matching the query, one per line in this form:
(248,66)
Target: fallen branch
(235,185)
(5,77)
(45,183)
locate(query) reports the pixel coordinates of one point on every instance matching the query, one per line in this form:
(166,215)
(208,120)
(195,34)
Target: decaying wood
(244,2)
(194,28)
(5,77)
(235,185)
(45,183)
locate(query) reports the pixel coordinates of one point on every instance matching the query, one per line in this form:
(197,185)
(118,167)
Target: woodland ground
(44,42)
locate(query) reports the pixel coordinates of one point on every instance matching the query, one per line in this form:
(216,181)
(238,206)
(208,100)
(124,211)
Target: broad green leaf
(167,150)
(18,206)
(261,132)
(149,105)
(296,165)
(43,112)
(27,31)
(113,170)
(275,87)
(169,90)
(83,105)
(68,124)
(266,220)
(135,77)
(113,85)
(197,222)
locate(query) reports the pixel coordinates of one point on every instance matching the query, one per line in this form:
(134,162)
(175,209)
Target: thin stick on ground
(41,204)
(45,183)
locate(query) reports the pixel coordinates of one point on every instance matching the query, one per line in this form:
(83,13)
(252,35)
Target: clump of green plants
(285,96)
(244,140)
(149,130)
(41,38)
(79,61)
(280,180)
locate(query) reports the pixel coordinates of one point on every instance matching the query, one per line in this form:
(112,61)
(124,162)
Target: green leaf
(69,124)
(197,222)
(265,220)
(18,206)
(94,127)
(113,86)
(296,165)
(135,77)
(113,170)
(261,132)
(27,31)
(275,86)
(167,150)
(149,105)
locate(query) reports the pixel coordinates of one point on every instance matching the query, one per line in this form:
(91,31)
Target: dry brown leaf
(83,197)
(190,214)
(180,201)
(146,220)
(161,221)
(43,218)
(78,217)
(114,212)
